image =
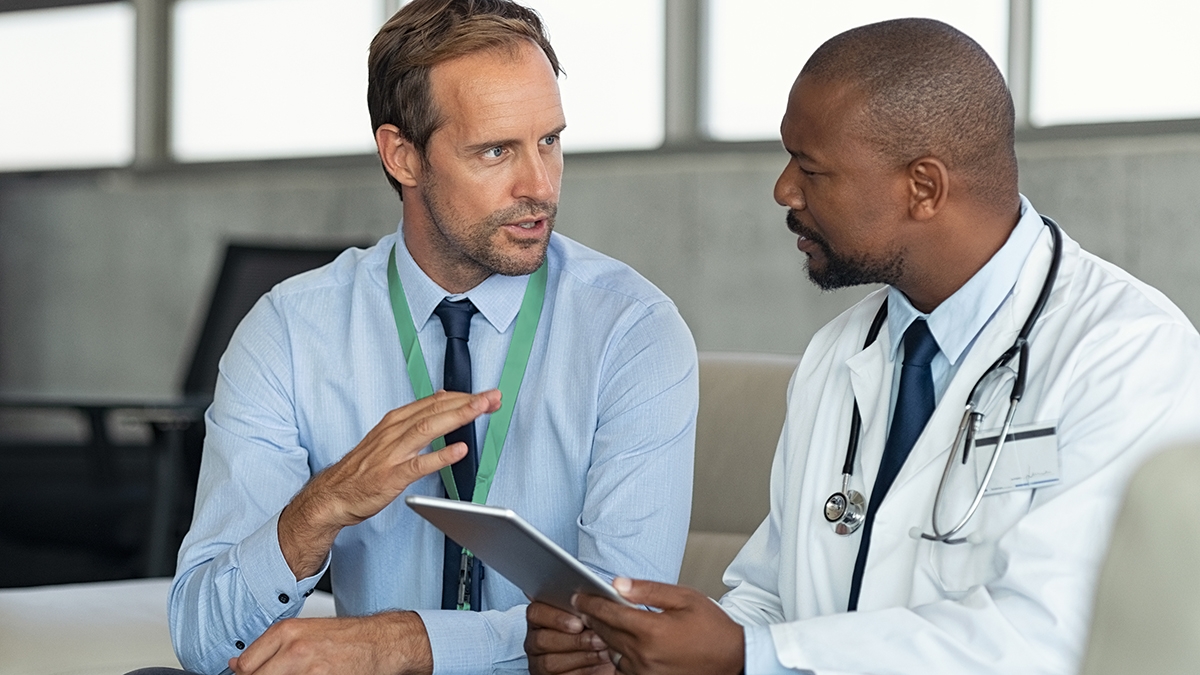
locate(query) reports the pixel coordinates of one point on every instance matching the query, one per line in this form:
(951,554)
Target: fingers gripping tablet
(514,548)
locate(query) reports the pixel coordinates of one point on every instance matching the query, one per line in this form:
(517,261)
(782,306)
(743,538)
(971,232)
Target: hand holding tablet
(515,549)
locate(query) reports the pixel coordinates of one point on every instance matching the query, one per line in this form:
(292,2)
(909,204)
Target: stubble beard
(841,271)
(472,244)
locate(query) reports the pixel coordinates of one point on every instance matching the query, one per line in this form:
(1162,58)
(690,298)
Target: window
(757,47)
(281,78)
(271,78)
(67,80)
(1108,61)
(612,51)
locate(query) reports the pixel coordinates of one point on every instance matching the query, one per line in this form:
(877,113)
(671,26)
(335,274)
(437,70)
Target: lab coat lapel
(871,382)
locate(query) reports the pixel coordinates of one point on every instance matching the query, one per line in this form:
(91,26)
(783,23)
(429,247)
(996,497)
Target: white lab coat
(1113,363)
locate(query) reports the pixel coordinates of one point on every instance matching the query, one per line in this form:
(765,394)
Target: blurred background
(138,139)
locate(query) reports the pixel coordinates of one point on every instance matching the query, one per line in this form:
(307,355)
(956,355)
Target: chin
(515,263)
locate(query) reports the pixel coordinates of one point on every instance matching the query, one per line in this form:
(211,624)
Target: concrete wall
(103,275)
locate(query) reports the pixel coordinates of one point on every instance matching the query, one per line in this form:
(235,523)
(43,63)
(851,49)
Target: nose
(787,187)
(539,178)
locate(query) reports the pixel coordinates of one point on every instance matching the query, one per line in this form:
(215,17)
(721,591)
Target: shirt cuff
(458,641)
(761,657)
(470,643)
(268,575)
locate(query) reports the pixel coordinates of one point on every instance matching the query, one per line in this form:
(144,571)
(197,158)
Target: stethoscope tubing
(969,426)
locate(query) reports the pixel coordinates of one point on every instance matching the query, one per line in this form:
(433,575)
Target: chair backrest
(742,407)
(249,271)
(1147,613)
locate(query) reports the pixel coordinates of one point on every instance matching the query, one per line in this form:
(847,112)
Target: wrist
(406,643)
(306,532)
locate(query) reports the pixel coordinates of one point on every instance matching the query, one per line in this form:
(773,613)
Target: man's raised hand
(374,473)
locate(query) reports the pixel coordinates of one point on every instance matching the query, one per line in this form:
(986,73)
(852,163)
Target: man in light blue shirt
(310,441)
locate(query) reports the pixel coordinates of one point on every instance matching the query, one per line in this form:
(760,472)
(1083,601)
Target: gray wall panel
(103,274)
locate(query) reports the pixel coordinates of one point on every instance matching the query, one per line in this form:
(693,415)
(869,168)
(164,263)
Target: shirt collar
(498,298)
(960,318)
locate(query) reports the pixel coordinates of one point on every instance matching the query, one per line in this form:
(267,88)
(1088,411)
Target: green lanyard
(510,378)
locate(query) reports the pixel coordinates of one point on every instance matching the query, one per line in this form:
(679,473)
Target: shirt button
(284,598)
(309,592)
(240,645)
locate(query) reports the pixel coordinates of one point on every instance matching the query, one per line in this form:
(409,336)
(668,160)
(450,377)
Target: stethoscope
(846,509)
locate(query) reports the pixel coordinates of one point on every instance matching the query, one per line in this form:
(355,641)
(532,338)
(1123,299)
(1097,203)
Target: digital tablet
(517,550)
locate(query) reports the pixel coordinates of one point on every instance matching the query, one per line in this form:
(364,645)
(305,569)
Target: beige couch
(742,406)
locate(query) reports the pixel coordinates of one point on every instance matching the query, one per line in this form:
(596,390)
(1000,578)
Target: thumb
(652,593)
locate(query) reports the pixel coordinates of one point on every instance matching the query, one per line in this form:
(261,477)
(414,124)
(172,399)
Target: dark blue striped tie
(914,406)
(456,320)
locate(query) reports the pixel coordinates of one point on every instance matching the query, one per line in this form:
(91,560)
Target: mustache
(547,210)
(796,227)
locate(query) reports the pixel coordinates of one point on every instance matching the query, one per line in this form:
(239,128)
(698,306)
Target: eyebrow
(799,155)
(487,145)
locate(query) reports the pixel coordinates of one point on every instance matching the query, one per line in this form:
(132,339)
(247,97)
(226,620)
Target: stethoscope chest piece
(846,511)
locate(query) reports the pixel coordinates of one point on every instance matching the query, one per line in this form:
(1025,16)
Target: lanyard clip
(464,580)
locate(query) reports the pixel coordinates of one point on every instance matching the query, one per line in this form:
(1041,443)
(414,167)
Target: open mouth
(531,225)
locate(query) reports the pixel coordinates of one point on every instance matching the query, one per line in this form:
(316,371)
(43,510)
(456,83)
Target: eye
(552,139)
(494,153)
(805,171)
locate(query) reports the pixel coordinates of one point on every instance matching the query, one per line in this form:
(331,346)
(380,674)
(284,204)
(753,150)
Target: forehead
(502,91)
(823,116)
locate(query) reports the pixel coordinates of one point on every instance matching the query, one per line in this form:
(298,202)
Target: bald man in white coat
(902,171)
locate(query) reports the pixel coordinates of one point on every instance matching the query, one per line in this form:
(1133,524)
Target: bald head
(930,91)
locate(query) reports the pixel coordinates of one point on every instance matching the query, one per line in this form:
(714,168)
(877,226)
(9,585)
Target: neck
(436,257)
(956,250)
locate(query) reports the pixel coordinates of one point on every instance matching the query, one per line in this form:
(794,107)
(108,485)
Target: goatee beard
(844,271)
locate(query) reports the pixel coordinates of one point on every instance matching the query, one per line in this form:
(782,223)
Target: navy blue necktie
(456,320)
(914,406)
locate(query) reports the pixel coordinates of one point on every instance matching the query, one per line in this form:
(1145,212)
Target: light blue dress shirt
(598,456)
(955,325)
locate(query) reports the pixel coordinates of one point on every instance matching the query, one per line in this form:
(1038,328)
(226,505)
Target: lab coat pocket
(959,568)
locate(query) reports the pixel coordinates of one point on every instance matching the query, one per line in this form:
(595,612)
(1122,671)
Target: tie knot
(919,345)
(456,317)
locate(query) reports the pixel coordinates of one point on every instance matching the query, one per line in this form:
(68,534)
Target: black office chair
(101,509)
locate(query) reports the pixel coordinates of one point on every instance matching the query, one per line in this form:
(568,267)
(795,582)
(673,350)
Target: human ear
(928,186)
(400,158)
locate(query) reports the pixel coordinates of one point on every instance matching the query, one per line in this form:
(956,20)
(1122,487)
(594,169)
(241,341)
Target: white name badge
(1028,460)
